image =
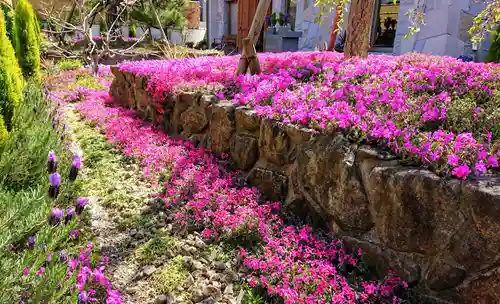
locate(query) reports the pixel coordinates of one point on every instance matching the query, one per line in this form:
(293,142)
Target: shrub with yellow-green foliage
(4,134)
(8,14)
(27,36)
(11,81)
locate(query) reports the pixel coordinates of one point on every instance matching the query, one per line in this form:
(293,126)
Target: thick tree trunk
(358,28)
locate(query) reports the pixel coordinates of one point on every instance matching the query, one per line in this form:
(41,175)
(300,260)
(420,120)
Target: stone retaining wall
(442,236)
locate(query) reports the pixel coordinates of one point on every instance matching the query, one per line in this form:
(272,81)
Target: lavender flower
(80,204)
(73,234)
(55,216)
(31,242)
(63,256)
(69,215)
(83,297)
(55,182)
(52,162)
(75,167)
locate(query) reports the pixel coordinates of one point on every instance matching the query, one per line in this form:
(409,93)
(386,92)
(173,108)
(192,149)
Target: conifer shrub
(4,134)
(8,14)
(11,81)
(27,39)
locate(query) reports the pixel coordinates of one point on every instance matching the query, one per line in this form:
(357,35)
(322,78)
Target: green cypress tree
(11,80)
(27,39)
(8,14)
(4,134)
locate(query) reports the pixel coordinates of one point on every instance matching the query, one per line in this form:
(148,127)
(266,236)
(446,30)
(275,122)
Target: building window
(291,10)
(385,24)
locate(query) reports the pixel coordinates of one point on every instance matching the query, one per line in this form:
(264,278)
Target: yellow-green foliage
(87,80)
(27,39)
(8,14)
(4,134)
(11,81)
(170,277)
(69,64)
(154,249)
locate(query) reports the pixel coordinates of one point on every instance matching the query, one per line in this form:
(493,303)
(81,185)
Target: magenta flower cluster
(90,280)
(383,99)
(296,264)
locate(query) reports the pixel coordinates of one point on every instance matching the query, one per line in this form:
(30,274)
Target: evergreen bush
(27,39)
(11,81)
(8,14)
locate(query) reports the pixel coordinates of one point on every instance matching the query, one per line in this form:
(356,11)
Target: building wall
(313,33)
(446,29)
(216,20)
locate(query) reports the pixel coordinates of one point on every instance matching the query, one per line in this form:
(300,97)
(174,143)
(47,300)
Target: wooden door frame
(239,39)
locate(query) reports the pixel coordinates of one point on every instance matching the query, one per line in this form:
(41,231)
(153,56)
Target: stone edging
(440,235)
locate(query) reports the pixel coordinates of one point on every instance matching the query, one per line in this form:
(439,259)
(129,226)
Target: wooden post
(249,55)
(335,26)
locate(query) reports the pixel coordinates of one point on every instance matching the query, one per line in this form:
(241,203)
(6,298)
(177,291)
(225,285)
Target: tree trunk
(358,28)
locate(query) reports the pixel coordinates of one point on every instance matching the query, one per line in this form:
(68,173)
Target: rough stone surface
(244,151)
(271,183)
(247,121)
(193,120)
(413,209)
(444,275)
(473,250)
(483,289)
(273,142)
(484,199)
(328,176)
(382,260)
(299,135)
(184,101)
(222,126)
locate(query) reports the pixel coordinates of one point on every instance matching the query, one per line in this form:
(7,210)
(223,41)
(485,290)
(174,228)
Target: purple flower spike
(63,256)
(77,161)
(31,242)
(75,167)
(52,162)
(73,234)
(69,215)
(55,216)
(80,204)
(55,181)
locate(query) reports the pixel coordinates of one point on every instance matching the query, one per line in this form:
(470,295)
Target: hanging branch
(92,52)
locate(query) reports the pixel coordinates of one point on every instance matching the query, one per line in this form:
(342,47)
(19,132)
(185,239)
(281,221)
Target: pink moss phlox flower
(461,172)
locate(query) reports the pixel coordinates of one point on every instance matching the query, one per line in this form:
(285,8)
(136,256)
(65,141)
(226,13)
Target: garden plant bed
(365,148)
